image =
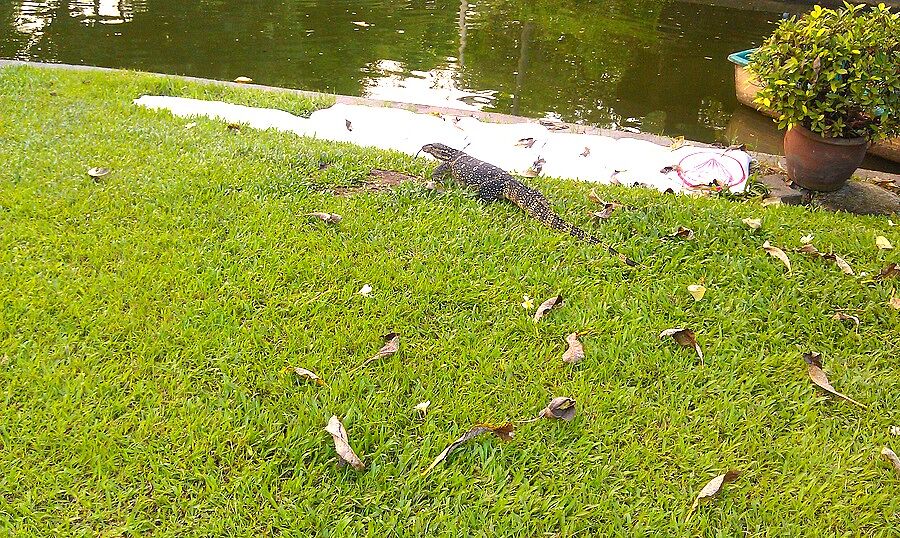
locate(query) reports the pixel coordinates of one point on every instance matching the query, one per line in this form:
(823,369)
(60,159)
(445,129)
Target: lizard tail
(536,206)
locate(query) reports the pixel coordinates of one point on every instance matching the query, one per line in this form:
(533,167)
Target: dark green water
(650,65)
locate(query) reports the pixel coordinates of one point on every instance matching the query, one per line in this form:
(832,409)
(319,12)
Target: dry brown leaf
(586,152)
(331,218)
(348,125)
(894,302)
(503,431)
(535,169)
(756,224)
(592,196)
(843,265)
(243,80)
(306,374)
(607,211)
(546,306)
(713,488)
(525,142)
(818,377)
(891,270)
(391,346)
(840,262)
(840,316)
(575,353)
(560,407)
(342,445)
(681,233)
(233,126)
(697,291)
(685,338)
(97,172)
(883,243)
(891,457)
(776,252)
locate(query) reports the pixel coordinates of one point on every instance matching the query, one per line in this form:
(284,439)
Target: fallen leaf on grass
(592,196)
(883,243)
(818,377)
(560,407)
(840,316)
(365,291)
(422,407)
(535,169)
(891,457)
(697,291)
(607,211)
(776,252)
(243,80)
(575,353)
(894,302)
(304,373)
(681,233)
(546,306)
(712,489)
(342,445)
(97,172)
(891,270)
(525,142)
(503,431)
(391,346)
(330,218)
(234,127)
(685,338)
(840,262)
(756,224)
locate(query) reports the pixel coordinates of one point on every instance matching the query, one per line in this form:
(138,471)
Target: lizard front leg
(441,172)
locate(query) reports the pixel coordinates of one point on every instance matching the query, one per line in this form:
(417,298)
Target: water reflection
(392,81)
(33,16)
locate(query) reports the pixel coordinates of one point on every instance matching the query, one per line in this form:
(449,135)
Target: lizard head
(440,151)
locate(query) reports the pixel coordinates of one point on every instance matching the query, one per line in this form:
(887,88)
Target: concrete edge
(775,161)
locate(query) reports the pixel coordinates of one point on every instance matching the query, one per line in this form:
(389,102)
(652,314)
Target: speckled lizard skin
(493,183)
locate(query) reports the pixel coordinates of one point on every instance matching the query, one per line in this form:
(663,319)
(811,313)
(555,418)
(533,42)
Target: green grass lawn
(146,319)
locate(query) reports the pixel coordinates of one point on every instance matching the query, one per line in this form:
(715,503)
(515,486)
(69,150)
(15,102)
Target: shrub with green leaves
(835,72)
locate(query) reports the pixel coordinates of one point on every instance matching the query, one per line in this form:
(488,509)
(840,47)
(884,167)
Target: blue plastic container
(741,58)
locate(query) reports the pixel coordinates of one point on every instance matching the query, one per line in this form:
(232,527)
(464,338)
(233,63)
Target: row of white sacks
(586,157)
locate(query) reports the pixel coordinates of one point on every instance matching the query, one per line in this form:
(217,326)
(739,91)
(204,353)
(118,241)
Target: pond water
(655,66)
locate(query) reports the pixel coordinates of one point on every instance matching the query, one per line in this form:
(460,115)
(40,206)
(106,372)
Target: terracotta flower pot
(818,163)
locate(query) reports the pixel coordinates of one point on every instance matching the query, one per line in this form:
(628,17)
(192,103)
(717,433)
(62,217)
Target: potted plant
(833,79)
